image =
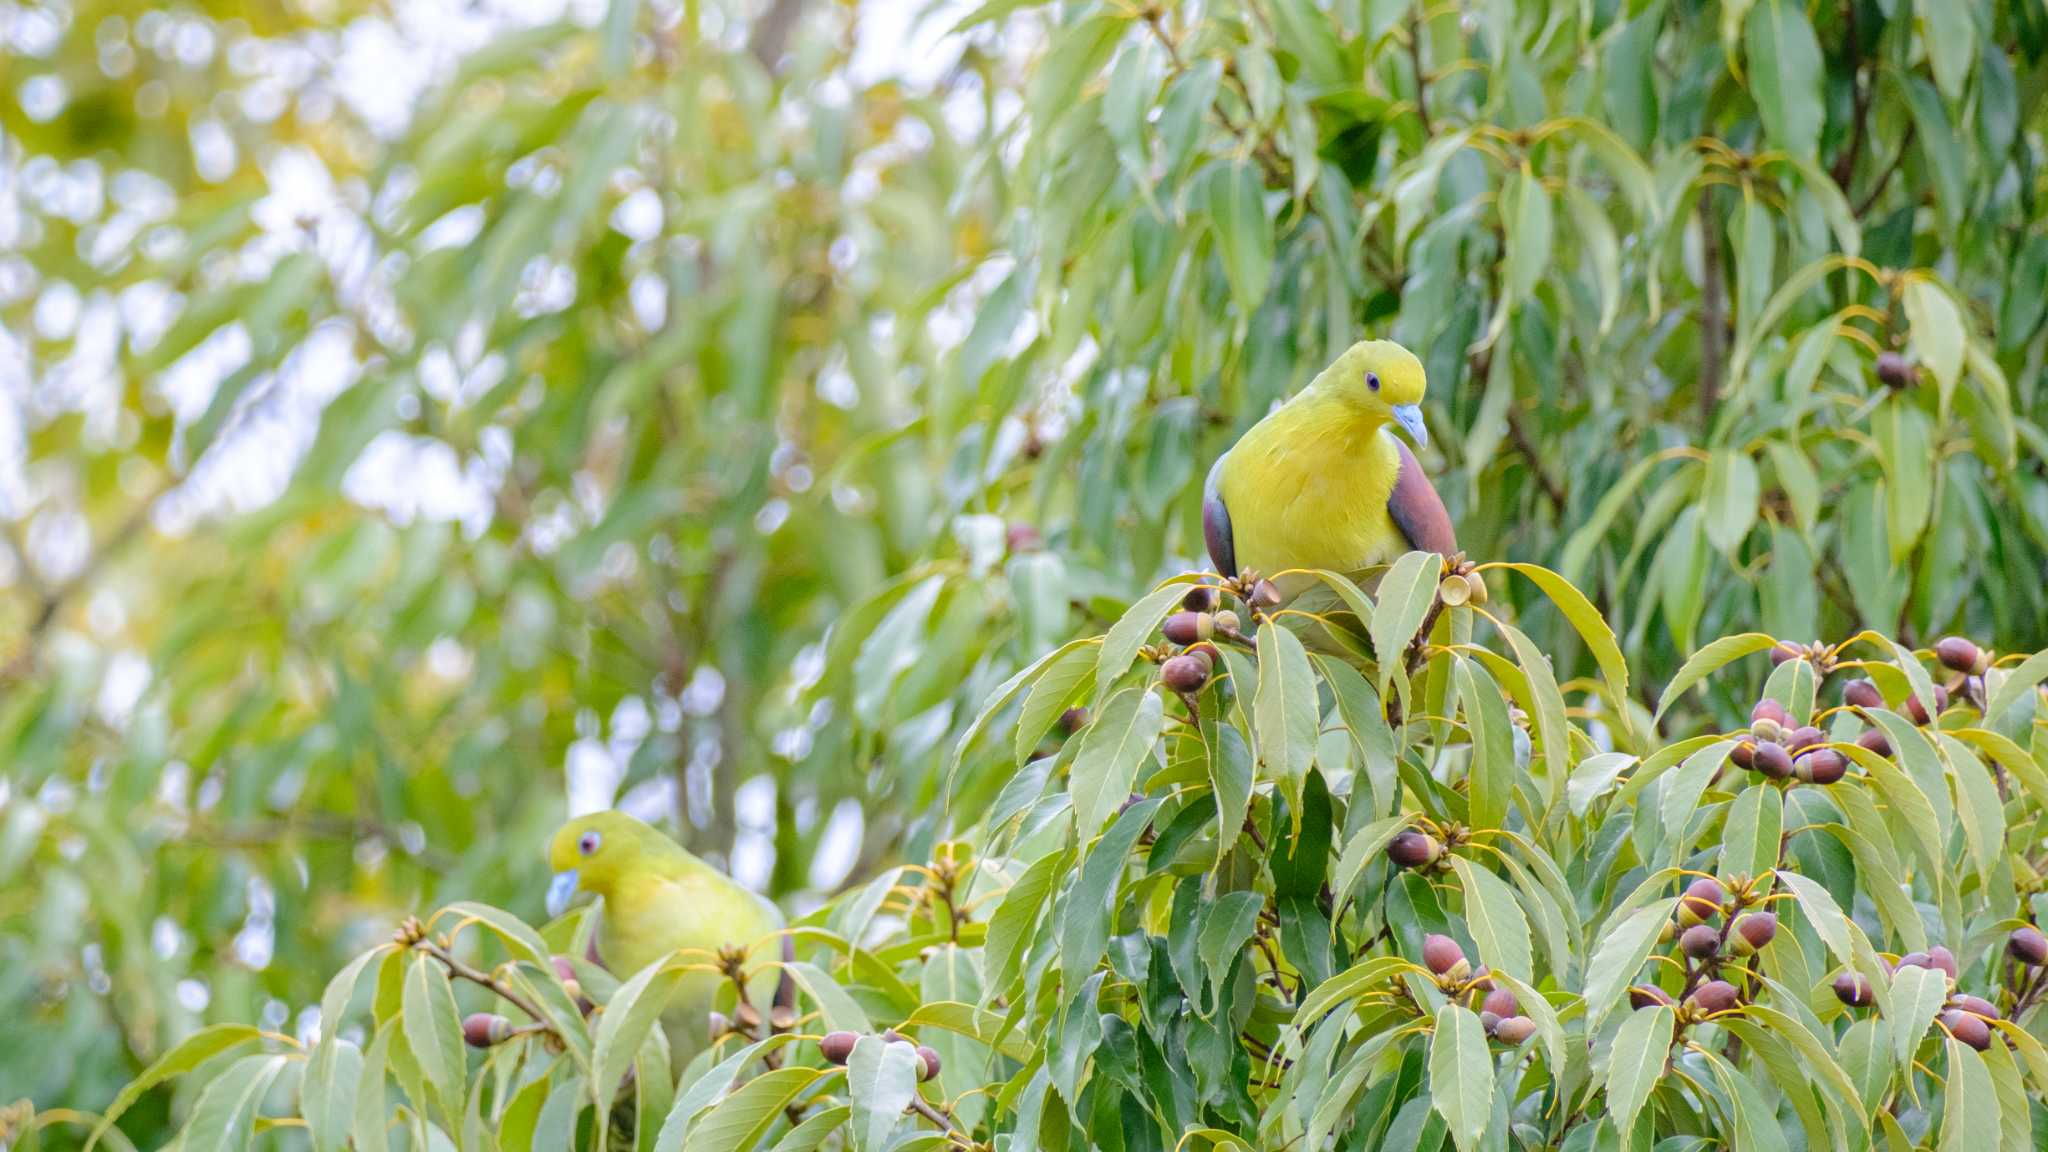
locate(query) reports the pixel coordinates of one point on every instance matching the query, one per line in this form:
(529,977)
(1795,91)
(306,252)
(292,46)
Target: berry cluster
(1499,1012)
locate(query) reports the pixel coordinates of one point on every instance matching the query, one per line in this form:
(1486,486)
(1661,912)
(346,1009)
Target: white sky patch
(593,777)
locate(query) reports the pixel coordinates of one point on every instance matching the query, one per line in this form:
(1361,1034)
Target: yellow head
(1383,381)
(590,853)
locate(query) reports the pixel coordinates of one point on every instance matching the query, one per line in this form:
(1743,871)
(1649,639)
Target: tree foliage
(669,399)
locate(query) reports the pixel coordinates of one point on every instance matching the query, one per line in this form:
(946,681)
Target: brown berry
(1649,996)
(1185,673)
(1853,990)
(1441,954)
(1753,930)
(2028,946)
(1971,1030)
(1772,760)
(928,1063)
(1958,654)
(1073,720)
(1714,996)
(1876,741)
(1821,766)
(1975,1005)
(837,1046)
(484,1029)
(1744,756)
(1514,1029)
(1942,958)
(1200,598)
(1769,709)
(1895,371)
(1189,627)
(1501,1003)
(1701,942)
(1806,737)
(1862,694)
(1412,849)
(1914,960)
(1783,652)
(1917,711)
(1702,900)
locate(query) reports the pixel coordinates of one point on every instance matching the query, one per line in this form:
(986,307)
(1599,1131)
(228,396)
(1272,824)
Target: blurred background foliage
(419,420)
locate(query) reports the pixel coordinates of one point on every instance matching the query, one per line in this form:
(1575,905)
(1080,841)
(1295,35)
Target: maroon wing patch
(1418,511)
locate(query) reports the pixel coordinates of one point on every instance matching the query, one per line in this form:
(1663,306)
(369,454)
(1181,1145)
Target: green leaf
(1978,806)
(839,1010)
(978,1024)
(1950,37)
(1940,147)
(1084,926)
(1234,200)
(1132,631)
(1636,1062)
(1010,929)
(1618,954)
(1364,846)
(1491,779)
(224,1118)
(183,1057)
(1707,661)
(1591,627)
(1495,917)
(741,1119)
(1406,592)
(1226,928)
(433,1031)
(1969,1106)
(1526,220)
(881,1078)
(1346,985)
(1917,994)
(1053,691)
(623,1026)
(1785,72)
(1115,743)
(1729,499)
(811,1134)
(2008,687)
(693,1096)
(1286,712)
(1749,839)
(1461,1074)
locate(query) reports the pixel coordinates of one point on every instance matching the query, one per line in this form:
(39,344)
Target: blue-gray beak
(1409,417)
(561,890)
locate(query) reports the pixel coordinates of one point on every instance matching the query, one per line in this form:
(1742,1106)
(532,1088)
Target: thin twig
(1421,77)
(1551,487)
(1885,177)
(510,995)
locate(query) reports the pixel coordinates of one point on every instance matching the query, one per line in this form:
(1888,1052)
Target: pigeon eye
(1372,381)
(588,844)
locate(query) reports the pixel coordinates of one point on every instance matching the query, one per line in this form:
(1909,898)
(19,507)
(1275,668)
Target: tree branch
(1713,309)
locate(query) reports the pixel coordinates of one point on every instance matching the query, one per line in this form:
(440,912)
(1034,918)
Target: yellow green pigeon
(659,899)
(1322,482)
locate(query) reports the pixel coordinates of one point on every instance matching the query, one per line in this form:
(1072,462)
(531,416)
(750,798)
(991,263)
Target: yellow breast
(1307,487)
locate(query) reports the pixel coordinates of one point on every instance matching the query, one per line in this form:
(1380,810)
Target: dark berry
(484,1029)
(1701,942)
(837,1046)
(1715,996)
(1772,760)
(1441,953)
(1862,694)
(1701,901)
(1958,654)
(2028,946)
(1853,990)
(1412,849)
(1971,1030)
